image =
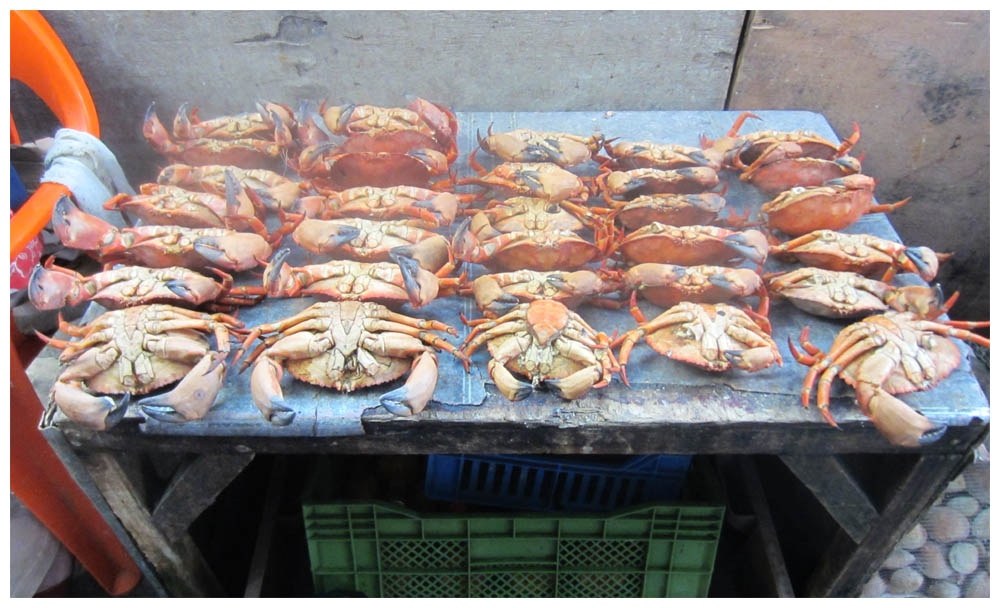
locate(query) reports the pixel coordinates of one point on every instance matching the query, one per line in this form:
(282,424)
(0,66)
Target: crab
(134,351)
(636,182)
(667,285)
(162,205)
(841,295)
(733,151)
(520,213)
(540,180)
(372,241)
(714,337)
(529,146)
(346,346)
(862,253)
(836,204)
(693,245)
(273,189)
(230,140)
(477,241)
(547,343)
(51,287)
(422,124)
(333,168)
(783,173)
(429,208)
(392,283)
(670,209)
(496,293)
(158,246)
(882,356)
(646,154)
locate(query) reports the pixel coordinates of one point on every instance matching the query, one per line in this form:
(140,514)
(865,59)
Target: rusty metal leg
(179,564)
(847,565)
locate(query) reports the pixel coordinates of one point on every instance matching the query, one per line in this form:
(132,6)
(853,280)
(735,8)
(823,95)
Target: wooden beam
(194,488)
(836,490)
(765,528)
(262,548)
(846,565)
(179,565)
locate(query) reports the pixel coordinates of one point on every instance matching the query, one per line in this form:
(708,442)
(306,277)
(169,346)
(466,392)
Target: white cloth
(82,163)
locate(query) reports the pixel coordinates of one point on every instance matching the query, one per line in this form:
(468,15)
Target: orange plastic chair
(37,476)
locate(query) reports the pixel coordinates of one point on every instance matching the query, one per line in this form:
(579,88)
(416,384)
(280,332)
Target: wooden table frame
(614,420)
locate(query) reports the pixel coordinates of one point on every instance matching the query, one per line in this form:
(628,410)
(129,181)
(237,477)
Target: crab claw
(898,422)
(751,359)
(444,205)
(77,229)
(50,289)
(509,386)
(421,286)
(921,260)
(99,413)
(412,397)
(154,132)
(576,384)
(235,251)
(192,397)
(849,164)
(275,273)
(266,392)
(751,244)
(490,297)
(436,163)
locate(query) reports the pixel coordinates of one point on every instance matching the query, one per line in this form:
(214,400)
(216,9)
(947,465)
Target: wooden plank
(765,526)
(265,531)
(643,60)
(917,82)
(179,565)
(194,488)
(846,565)
(837,490)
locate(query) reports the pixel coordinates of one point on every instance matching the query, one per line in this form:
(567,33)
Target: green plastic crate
(381,550)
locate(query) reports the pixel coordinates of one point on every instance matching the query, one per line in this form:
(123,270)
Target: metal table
(671,407)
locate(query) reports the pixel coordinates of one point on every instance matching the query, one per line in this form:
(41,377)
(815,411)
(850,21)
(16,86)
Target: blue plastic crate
(554,483)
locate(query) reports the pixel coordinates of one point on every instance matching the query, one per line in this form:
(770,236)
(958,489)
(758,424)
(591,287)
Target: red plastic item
(37,476)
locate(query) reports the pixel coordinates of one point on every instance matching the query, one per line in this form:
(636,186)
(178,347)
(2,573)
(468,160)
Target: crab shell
(433,209)
(693,245)
(529,146)
(371,241)
(785,174)
(541,180)
(861,253)
(422,124)
(496,293)
(706,341)
(667,285)
(834,205)
(645,154)
(476,241)
(829,293)
(670,209)
(636,182)
(273,189)
(165,205)
(522,213)
(335,169)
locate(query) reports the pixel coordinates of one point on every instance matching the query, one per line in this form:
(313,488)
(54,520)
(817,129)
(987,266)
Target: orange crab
(540,180)
(346,346)
(547,343)
(885,355)
(693,245)
(667,285)
(273,189)
(429,208)
(836,204)
(714,337)
(529,146)
(496,293)
(669,209)
(646,154)
(636,182)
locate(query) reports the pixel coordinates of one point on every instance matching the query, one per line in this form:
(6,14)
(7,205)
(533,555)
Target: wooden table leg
(835,488)
(179,564)
(847,565)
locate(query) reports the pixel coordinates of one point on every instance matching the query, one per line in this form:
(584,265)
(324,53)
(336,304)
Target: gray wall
(917,82)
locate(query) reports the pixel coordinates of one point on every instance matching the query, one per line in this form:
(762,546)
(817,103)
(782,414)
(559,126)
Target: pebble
(981,525)
(964,557)
(956,485)
(943,589)
(978,585)
(964,504)
(904,581)
(898,559)
(875,587)
(915,538)
(933,561)
(978,481)
(946,525)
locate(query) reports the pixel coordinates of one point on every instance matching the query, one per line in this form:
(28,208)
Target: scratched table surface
(675,404)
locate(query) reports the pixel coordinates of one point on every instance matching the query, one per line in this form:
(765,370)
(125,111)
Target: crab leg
(898,422)
(848,340)
(948,328)
(840,360)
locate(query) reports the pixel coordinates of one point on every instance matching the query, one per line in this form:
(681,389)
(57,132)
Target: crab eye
(553,208)
(798,190)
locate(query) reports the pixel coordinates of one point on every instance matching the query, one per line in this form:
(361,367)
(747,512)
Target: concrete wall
(917,82)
